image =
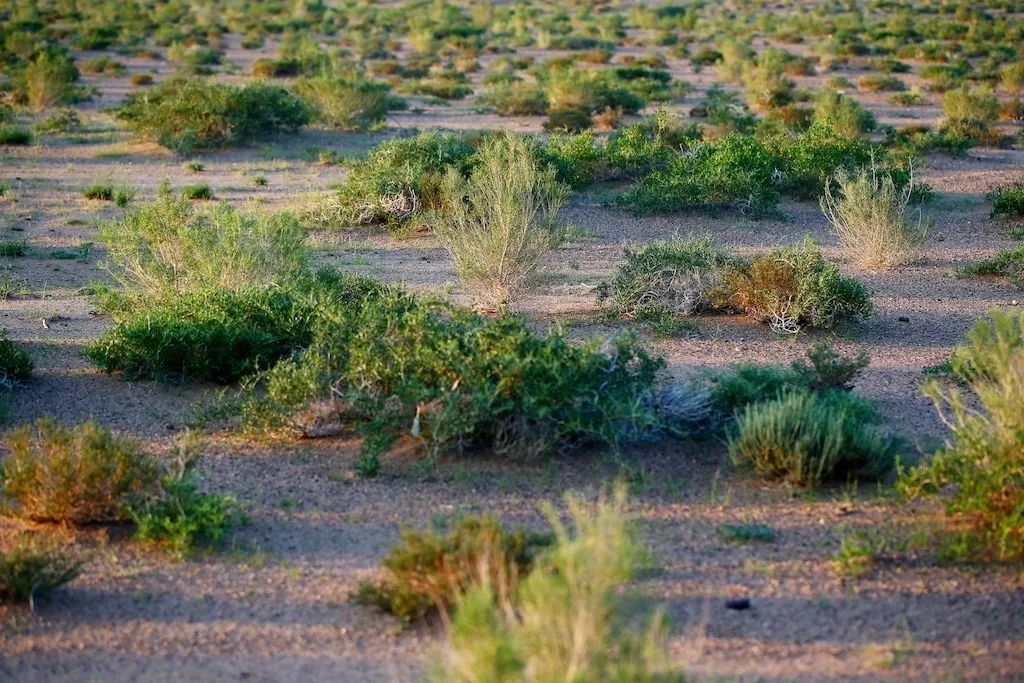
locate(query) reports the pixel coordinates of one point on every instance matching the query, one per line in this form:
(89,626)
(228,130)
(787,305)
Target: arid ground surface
(275,606)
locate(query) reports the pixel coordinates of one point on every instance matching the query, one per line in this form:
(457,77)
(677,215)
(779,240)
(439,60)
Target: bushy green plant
(502,220)
(431,571)
(121,195)
(355,103)
(735,171)
(792,288)
(577,158)
(516,98)
(565,621)
(970,113)
(980,472)
(869,214)
(463,380)
(806,438)
(170,246)
(1008,201)
(63,121)
(77,474)
(182,520)
(398,181)
(15,363)
(827,370)
(809,160)
(32,569)
(200,192)
(46,80)
(14,135)
(666,276)
(843,114)
(187,114)
(1008,263)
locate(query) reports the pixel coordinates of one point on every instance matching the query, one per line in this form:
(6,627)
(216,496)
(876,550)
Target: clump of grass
(13,248)
(869,214)
(65,120)
(201,192)
(674,277)
(430,570)
(843,114)
(971,113)
(15,363)
(181,519)
(565,620)
(170,246)
(806,438)
(792,288)
(745,533)
(980,473)
(77,474)
(14,135)
(1008,263)
(1008,201)
(398,182)
(502,220)
(121,195)
(353,103)
(45,81)
(32,569)
(192,114)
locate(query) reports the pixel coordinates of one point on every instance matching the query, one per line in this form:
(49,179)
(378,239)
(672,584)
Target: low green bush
(674,276)
(516,98)
(76,475)
(971,113)
(121,195)
(1008,263)
(397,182)
(15,363)
(182,520)
(566,619)
(200,192)
(806,438)
(187,114)
(430,571)
(792,288)
(14,135)
(980,473)
(32,569)
(348,103)
(1008,201)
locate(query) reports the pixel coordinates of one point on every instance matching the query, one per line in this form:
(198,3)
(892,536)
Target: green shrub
(13,248)
(745,533)
(1008,263)
(517,98)
(842,114)
(63,121)
(1008,201)
(568,120)
(577,158)
(869,214)
(971,113)
(735,171)
(398,181)
(806,438)
(672,276)
(566,619)
(46,80)
(219,335)
(880,83)
(14,135)
(77,474)
(826,370)
(463,380)
(430,571)
(502,220)
(182,520)
(809,160)
(121,195)
(192,114)
(200,192)
(15,363)
(347,103)
(981,471)
(792,288)
(170,246)
(32,569)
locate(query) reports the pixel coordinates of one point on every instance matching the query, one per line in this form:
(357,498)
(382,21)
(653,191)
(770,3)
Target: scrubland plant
(431,570)
(170,246)
(78,474)
(806,438)
(1008,263)
(348,102)
(14,135)
(674,276)
(971,113)
(46,81)
(564,621)
(501,221)
(186,114)
(843,114)
(869,214)
(792,288)
(980,472)
(1008,200)
(32,568)
(396,183)
(15,363)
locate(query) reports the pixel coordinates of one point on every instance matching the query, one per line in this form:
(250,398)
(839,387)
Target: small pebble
(738,603)
(904,319)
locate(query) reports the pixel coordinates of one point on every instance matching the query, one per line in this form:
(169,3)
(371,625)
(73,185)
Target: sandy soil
(274,606)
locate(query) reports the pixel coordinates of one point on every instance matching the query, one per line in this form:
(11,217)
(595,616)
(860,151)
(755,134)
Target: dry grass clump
(565,621)
(869,214)
(79,475)
(502,220)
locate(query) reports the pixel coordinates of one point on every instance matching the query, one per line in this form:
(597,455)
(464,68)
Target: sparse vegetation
(32,569)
